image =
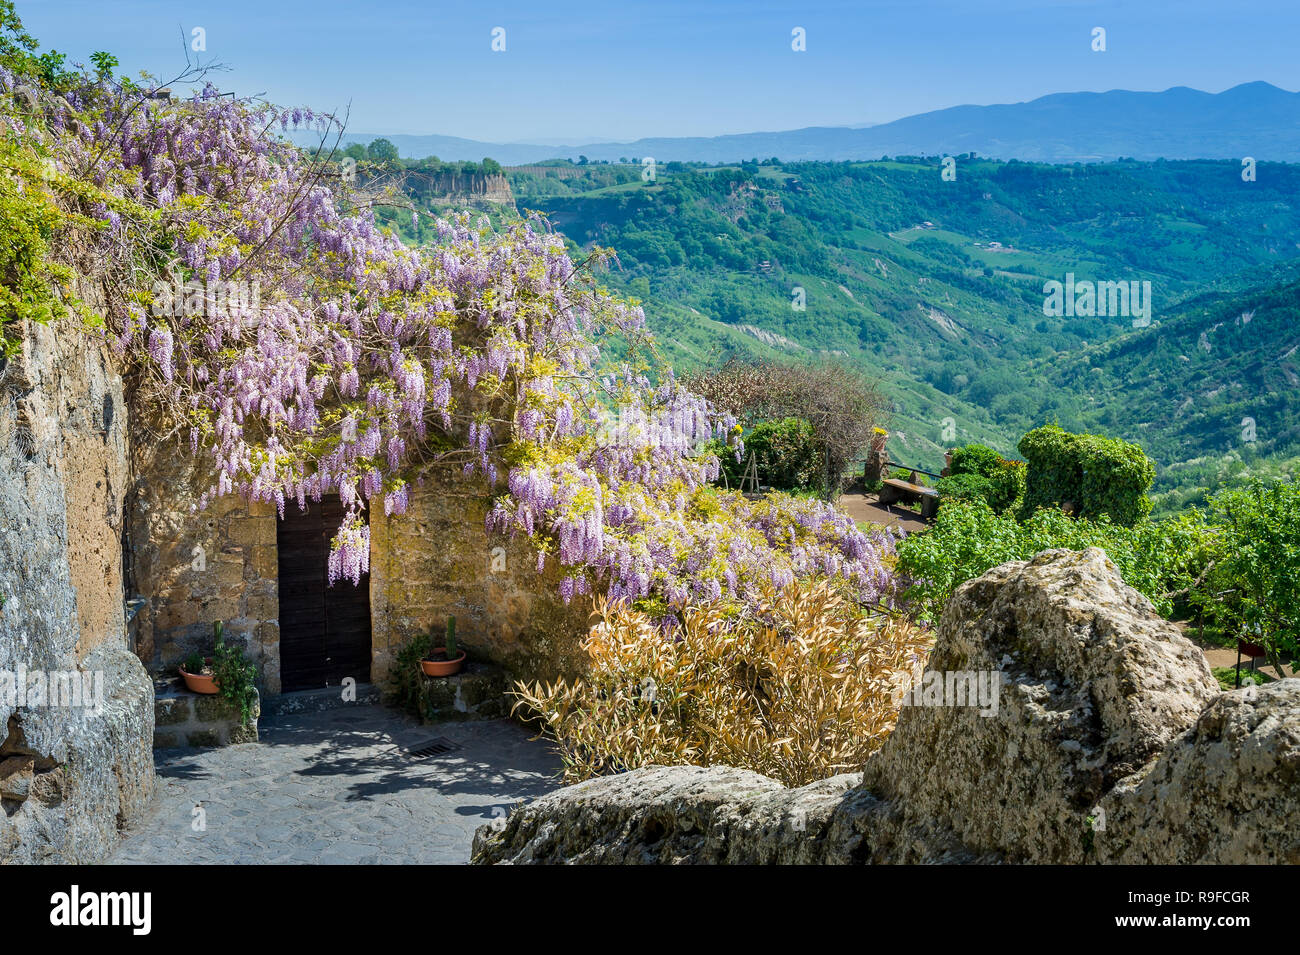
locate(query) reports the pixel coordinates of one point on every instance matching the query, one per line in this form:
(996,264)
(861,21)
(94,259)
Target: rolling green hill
(1212,392)
(937,288)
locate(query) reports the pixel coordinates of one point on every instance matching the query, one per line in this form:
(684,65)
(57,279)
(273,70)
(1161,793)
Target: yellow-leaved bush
(804,688)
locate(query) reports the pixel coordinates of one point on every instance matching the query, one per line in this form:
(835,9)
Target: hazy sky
(582,71)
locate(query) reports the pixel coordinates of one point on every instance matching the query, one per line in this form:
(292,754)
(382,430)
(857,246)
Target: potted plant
(446,659)
(197,670)
(235,676)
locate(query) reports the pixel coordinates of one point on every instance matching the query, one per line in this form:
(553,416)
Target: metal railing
(900,464)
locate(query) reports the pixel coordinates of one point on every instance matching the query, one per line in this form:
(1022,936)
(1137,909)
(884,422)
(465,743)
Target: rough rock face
(478,191)
(1110,742)
(1094,683)
(70,775)
(671,814)
(1227,791)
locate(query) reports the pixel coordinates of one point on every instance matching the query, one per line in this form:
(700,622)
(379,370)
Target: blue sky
(578,71)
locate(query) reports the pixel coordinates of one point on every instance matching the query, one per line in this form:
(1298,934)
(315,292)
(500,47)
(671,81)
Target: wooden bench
(893,490)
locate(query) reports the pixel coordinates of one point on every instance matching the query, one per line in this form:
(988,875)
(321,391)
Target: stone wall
(477,692)
(70,776)
(1111,743)
(96,478)
(198,567)
(182,718)
(437,560)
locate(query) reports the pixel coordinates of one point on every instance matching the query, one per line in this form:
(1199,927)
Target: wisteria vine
(309,352)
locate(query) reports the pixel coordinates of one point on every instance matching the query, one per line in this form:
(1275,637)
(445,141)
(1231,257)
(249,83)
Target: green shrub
(406,682)
(1008,486)
(975,459)
(28,273)
(1100,476)
(789,456)
(235,674)
(1254,586)
(968,538)
(965,487)
(980,473)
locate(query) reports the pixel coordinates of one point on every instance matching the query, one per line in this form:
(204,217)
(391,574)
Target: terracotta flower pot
(198,683)
(442,667)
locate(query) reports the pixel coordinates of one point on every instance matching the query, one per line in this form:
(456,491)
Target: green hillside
(937,288)
(901,275)
(1211,392)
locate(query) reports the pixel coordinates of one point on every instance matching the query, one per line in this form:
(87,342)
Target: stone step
(478,692)
(320,700)
(183,718)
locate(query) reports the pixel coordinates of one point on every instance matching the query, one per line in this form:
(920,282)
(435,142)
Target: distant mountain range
(1253,119)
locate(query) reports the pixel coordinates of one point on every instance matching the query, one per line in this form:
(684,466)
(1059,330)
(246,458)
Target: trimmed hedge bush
(975,459)
(1100,476)
(789,456)
(978,473)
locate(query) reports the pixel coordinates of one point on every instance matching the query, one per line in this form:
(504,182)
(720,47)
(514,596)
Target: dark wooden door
(324,630)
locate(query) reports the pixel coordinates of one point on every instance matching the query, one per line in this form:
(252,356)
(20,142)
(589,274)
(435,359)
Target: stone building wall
(70,775)
(198,567)
(438,560)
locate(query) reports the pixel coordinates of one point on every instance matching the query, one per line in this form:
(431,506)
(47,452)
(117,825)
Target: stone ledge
(182,718)
(319,701)
(477,692)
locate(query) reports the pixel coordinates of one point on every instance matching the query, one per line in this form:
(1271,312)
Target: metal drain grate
(434,747)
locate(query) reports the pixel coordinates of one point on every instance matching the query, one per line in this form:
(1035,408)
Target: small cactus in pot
(446,659)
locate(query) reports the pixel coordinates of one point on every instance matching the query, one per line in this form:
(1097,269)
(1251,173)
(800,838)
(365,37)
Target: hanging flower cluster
(310,352)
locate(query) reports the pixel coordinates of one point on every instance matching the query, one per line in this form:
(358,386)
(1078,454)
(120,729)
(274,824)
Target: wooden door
(324,630)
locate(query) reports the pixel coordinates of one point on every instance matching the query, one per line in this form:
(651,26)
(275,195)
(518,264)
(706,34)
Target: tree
(367,366)
(382,150)
(840,403)
(1254,583)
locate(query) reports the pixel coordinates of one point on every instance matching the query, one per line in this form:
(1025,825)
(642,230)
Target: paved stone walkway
(339,787)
